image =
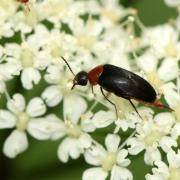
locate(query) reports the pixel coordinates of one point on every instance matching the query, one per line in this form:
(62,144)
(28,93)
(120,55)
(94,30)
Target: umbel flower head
(36,96)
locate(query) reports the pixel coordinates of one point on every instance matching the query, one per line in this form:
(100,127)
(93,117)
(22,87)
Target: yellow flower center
(86,41)
(22,121)
(109,161)
(171,50)
(73,130)
(174,173)
(65,85)
(26,57)
(152,137)
(56,50)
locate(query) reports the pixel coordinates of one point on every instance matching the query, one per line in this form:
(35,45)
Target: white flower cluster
(89,33)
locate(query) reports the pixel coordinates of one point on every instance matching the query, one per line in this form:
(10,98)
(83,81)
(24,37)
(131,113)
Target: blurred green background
(40,160)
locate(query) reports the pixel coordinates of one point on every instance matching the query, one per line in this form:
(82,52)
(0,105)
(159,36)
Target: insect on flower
(119,81)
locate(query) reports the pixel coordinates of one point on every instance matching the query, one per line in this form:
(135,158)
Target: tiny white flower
(152,134)
(164,171)
(74,130)
(27,57)
(157,74)
(19,116)
(113,160)
(163,39)
(56,44)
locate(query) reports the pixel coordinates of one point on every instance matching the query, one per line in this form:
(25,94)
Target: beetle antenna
(67,65)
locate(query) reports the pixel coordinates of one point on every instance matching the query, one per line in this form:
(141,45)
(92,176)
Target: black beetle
(121,82)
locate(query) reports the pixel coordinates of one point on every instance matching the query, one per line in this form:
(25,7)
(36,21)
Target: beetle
(121,82)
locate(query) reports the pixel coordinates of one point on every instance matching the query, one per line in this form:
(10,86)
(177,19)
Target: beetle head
(81,79)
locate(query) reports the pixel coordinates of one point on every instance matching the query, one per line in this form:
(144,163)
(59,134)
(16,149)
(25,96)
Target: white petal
(43,128)
(151,156)
(69,147)
(162,168)
(36,107)
(94,155)
(7,119)
(52,96)
(94,174)
(29,77)
(147,62)
(8,70)
(112,142)
(16,104)
(53,74)
(121,173)
(175,131)
(164,119)
(61,130)
(74,149)
(86,123)
(174,159)
(165,71)
(170,94)
(103,119)
(85,140)
(154,177)
(15,144)
(172,3)
(121,158)
(136,146)
(74,106)
(167,143)
(42,60)
(63,151)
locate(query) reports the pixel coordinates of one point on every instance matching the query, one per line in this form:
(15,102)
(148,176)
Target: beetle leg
(93,91)
(134,107)
(109,101)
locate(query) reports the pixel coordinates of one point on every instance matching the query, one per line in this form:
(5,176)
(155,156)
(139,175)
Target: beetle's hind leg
(109,101)
(134,107)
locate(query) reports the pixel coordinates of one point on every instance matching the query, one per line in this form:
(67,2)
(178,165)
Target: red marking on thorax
(94,74)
